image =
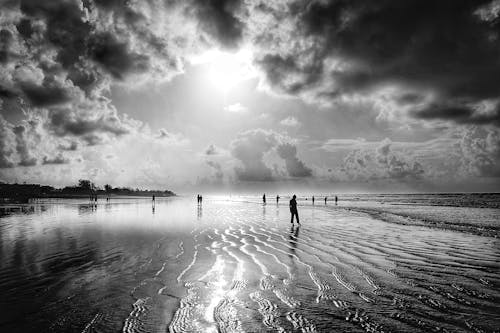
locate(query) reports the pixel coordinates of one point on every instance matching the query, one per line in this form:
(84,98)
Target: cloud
(72,146)
(65,122)
(7,141)
(333,50)
(290,122)
(171,138)
(249,148)
(236,108)
(211,150)
(58,159)
(218,173)
(381,163)
(23,148)
(219,18)
(480,152)
(480,114)
(294,166)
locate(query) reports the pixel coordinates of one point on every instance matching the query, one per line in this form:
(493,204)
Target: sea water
(371,263)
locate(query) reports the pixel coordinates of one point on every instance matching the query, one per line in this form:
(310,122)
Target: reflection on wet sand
(234,267)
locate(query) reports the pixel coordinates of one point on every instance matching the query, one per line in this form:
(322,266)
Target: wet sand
(239,267)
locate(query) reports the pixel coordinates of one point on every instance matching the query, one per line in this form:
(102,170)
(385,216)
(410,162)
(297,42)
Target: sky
(235,96)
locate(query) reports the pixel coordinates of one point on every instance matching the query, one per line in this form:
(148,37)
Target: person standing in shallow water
(264,198)
(313,199)
(277,199)
(293,209)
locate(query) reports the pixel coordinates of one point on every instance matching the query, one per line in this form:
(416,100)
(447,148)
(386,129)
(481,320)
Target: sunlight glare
(225,70)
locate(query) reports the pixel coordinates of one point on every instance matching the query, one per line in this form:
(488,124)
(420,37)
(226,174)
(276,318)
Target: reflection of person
(293,239)
(293,209)
(200,212)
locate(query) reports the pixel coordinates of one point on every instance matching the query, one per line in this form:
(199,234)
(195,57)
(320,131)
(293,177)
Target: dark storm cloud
(46,94)
(346,47)
(294,166)
(115,57)
(65,122)
(459,113)
(5,42)
(219,19)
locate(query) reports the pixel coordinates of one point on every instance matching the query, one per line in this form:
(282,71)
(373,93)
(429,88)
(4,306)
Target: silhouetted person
(336,199)
(325,200)
(201,199)
(313,199)
(293,209)
(198,199)
(264,198)
(277,199)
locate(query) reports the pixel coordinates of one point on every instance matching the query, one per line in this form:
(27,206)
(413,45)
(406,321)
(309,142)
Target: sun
(225,70)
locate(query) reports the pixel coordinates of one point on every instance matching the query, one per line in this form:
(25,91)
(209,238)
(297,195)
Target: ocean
(370,263)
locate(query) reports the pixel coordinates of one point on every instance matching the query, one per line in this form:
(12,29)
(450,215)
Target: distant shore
(23,193)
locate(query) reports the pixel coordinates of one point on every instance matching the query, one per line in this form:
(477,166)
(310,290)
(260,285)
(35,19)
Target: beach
(232,264)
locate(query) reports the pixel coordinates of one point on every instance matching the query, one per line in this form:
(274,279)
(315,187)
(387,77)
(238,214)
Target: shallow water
(238,267)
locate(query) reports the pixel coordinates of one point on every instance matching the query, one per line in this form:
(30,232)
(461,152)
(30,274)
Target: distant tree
(86,184)
(108,188)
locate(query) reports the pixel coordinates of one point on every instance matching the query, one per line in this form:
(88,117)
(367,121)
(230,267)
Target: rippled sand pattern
(241,267)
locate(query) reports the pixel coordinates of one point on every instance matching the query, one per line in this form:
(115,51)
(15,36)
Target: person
(277,199)
(201,199)
(293,209)
(198,199)
(325,200)
(336,199)
(153,198)
(313,199)
(264,198)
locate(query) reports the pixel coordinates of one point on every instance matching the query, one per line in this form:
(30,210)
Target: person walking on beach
(277,199)
(336,199)
(293,209)
(264,198)
(325,200)
(313,199)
